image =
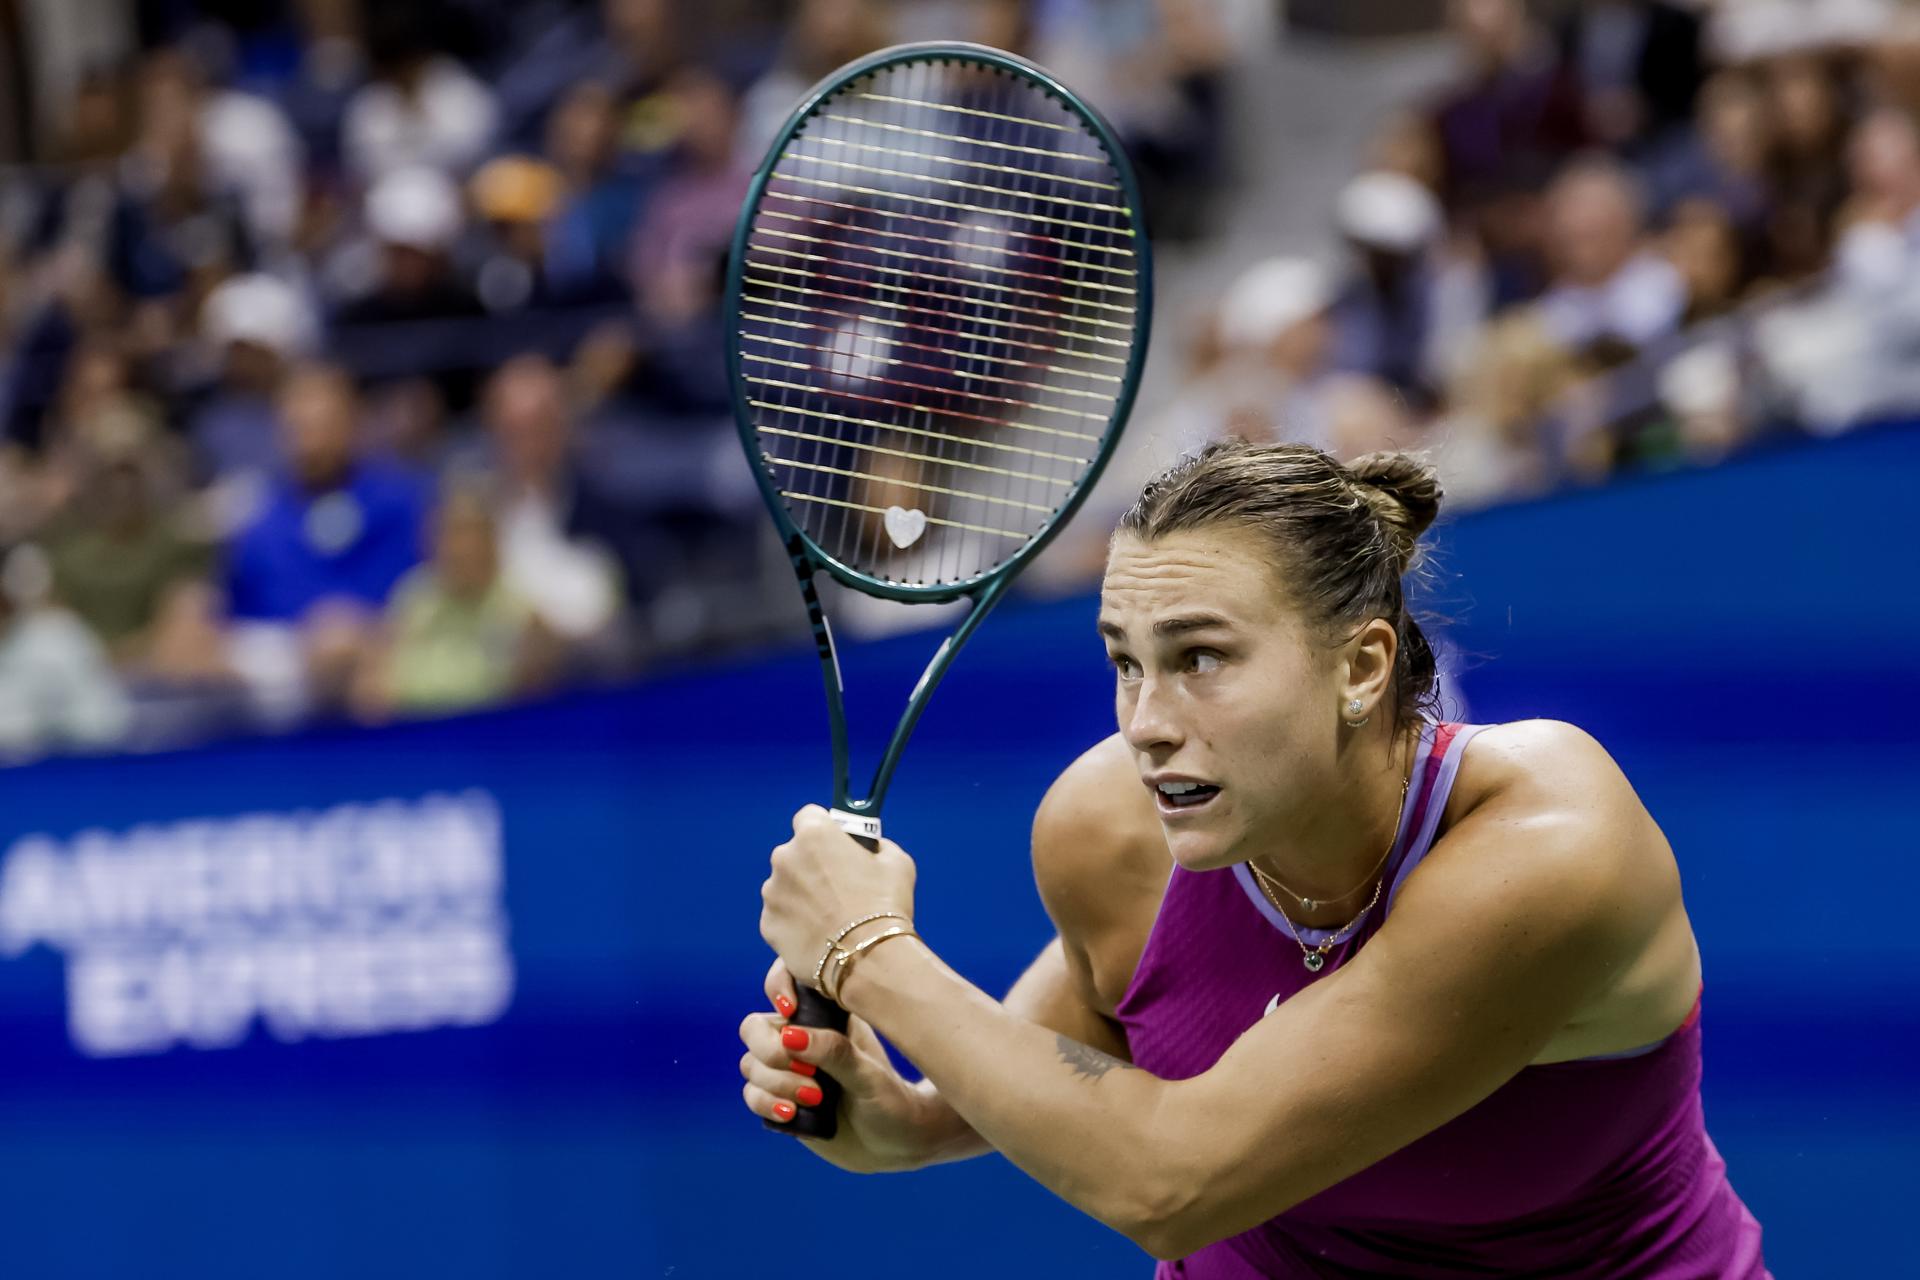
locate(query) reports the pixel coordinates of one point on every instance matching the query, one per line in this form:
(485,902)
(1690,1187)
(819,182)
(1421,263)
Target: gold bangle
(834,951)
(878,915)
(844,961)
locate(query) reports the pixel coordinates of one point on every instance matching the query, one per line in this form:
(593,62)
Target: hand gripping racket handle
(815,1010)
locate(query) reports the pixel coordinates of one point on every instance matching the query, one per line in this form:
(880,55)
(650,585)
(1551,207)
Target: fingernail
(784,1003)
(783,1111)
(794,1038)
(801,1068)
(809,1095)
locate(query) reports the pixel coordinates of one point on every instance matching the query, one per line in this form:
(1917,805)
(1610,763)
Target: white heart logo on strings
(904,526)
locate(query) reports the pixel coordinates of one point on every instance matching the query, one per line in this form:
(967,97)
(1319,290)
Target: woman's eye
(1201,662)
(1124,665)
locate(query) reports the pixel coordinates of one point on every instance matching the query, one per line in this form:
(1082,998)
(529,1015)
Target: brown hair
(1344,535)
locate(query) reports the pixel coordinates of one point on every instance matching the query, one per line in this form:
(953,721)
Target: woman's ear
(1369,664)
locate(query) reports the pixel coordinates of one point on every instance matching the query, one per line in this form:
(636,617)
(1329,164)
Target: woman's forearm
(1075,1118)
(1046,995)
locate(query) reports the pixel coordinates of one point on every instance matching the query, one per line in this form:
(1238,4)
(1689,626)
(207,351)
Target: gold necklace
(1308,904)
(1315,958)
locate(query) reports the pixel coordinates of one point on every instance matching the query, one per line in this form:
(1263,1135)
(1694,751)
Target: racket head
(938,305)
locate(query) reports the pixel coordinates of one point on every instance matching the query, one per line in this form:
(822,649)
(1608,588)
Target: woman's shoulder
(1551,838)
(1543,823)
(1097,842)
(1545,763)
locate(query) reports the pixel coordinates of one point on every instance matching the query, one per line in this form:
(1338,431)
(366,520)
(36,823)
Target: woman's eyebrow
(1171,626)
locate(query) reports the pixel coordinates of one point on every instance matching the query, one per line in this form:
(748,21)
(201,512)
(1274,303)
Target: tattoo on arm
(1087,1062)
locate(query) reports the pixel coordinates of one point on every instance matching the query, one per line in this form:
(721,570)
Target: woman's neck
(1341,857)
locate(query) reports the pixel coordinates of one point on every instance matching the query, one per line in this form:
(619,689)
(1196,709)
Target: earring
(1353,709)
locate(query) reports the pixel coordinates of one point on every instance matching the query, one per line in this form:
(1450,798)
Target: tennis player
(1340,989)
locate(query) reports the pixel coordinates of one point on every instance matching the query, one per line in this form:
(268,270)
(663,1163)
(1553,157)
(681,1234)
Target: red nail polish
(802,1068)
(783,1111)
(784,1003)
(794,1038)
(809,1095)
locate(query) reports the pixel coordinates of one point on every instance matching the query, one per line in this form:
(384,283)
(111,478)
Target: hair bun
(1404,492)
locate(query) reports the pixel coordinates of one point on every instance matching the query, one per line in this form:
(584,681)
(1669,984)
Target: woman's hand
(823,881)
(886,1124)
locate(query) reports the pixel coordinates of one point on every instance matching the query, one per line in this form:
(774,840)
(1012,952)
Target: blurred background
(399,690)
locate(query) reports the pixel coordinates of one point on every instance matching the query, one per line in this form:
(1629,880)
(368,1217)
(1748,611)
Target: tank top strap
(1440,766)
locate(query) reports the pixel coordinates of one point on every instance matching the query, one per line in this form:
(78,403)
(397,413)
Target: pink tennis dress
(1599,1169)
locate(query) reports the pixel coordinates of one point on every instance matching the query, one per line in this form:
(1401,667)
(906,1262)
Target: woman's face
(1218,682)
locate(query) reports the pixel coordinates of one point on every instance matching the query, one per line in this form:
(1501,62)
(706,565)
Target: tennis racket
(937,305)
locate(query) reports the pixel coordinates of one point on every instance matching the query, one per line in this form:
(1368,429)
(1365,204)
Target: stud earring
(1353,708)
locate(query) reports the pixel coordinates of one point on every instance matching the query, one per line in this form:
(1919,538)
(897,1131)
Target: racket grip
(815,1010)
(822,1121)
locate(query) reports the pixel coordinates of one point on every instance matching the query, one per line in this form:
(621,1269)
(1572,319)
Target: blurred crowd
(365,359)
(1626,234)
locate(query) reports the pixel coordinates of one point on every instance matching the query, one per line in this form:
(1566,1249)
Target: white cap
(1271,297)
(418,208)
(1388,211)
(259,309)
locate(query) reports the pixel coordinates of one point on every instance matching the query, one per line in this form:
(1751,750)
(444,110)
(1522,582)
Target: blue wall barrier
(459,998)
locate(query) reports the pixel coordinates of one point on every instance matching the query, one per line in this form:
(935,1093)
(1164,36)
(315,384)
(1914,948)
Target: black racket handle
(822,1121)
(815,1010)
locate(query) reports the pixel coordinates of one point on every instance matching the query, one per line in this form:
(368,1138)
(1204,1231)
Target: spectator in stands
(1265,378)
(1385,316)
(337,526)
(1725,158)
(684,236)
(514,196)
(415,217)
(1883,160)
(176,215)
(455,635)
(1705,248)
(1637,64)
(124,550)
(1491,444)
(824,35)
(561,538)
(1809,178)
(631,46)
(57,687)
(257,325)
(1159,70)
(1606,286)
(680,248)
(1516,111)
(421,108)
(602,192)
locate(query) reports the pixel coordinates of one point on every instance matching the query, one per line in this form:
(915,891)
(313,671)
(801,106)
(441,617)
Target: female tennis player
(1340,989)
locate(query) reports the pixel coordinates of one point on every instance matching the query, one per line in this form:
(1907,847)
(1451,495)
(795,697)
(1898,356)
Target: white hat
(1388,211)
(259,309)
(1271,297)
(418,208)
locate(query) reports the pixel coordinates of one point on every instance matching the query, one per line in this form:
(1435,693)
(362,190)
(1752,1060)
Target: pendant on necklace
(1313,960)
(1307,904)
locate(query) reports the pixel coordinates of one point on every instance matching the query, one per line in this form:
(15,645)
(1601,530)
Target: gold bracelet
(833,950)
(844,961)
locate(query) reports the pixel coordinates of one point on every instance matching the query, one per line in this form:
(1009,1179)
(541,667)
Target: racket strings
(938,287)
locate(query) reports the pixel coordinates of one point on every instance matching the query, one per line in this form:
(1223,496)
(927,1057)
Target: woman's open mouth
(1183,797)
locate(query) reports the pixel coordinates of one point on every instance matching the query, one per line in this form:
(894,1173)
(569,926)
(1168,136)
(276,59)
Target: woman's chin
(1200,851)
